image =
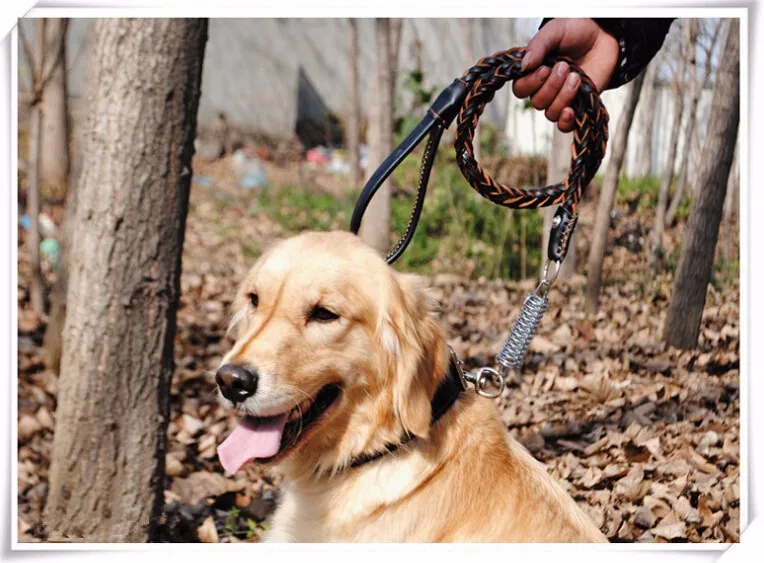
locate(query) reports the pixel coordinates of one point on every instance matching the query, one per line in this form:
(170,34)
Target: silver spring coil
(512,354)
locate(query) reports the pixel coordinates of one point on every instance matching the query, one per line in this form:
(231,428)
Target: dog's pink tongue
(253,438)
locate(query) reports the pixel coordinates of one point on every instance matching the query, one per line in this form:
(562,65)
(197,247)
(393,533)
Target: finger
(567,120)
(528,85)
(551,88)
(544,42)
(564,98)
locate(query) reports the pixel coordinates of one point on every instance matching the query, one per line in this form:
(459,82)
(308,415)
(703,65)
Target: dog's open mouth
(265,438)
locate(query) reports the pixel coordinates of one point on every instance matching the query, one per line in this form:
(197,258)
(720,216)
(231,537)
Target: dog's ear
(415,349)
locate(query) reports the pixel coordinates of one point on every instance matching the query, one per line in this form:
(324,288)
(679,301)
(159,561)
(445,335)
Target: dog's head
(336,355)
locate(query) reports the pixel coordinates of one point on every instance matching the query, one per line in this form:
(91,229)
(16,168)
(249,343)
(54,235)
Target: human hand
(587,45)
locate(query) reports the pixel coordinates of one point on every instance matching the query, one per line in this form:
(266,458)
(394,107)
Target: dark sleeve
(639,39)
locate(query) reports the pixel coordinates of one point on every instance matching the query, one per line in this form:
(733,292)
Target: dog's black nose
(236,382)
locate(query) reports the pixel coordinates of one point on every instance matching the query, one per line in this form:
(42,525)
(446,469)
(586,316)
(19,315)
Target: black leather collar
(445,396)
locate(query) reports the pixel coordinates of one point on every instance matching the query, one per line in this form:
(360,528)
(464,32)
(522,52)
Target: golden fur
(462,479)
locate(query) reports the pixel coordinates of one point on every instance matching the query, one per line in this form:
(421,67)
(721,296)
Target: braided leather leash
(466,98)
(590,137)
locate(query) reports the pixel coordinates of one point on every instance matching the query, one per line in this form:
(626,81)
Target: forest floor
(644,437)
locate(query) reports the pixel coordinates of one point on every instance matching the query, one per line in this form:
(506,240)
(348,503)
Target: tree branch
(58,52)
(27,53)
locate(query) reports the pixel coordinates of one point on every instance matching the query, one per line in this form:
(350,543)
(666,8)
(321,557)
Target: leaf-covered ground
(644,437)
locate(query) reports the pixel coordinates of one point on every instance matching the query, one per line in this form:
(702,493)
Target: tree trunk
(468,38)
(55,123)
(52,341)
(107,462)
(696,263)
(375,229)
(730,204)
(37,285)
(656,250)
(607,196)
(396,30)
(354,115)
(696,88)
(557,168)
(644,160)
(37,66)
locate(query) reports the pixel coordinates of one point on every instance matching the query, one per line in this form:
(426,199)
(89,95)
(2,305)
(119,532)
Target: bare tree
(396,30)
(52,341)
(375,229)
(647,118)
(55,109)
(696,263)
(354,121)
(697,85)
(730,205)
(557,168)
(468,37)
(656,249)
(607,195)
(108,455)
(43,64)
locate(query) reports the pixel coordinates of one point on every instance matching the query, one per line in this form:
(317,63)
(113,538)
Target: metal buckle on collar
(487,381)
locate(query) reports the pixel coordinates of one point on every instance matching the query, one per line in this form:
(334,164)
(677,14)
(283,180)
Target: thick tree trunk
(696,263)
(375,229)
(607,196)
(107,462)
(557,168)
(354,115)
(644,160)
(656,249)
(55,123)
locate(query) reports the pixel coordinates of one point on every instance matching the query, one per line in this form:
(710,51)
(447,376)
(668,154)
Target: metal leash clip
(487,381)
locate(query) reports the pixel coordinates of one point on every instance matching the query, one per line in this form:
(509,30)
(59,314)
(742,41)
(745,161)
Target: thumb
(544,42)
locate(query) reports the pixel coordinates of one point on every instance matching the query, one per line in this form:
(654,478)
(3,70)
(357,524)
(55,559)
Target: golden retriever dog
(335,367)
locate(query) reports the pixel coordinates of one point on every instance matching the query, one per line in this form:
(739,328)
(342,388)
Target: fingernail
(562,68)
(571,83)
(543,72)
(526,60)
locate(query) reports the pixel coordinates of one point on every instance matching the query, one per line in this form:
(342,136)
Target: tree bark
(557,168)
(656,250)
(37,285)
(55,123)
(354,115)
(37,66)
(730,204)
(52,340)
(107,462)
(468,38)
(696,263)
(644,160)
(607,196)
(696,88)
(375,229)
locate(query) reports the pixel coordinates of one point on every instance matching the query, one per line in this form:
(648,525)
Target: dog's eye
(254,299)
(322,315)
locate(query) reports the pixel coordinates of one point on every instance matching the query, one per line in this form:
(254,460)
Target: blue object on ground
(51,249)
(25,221)
(254,180)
